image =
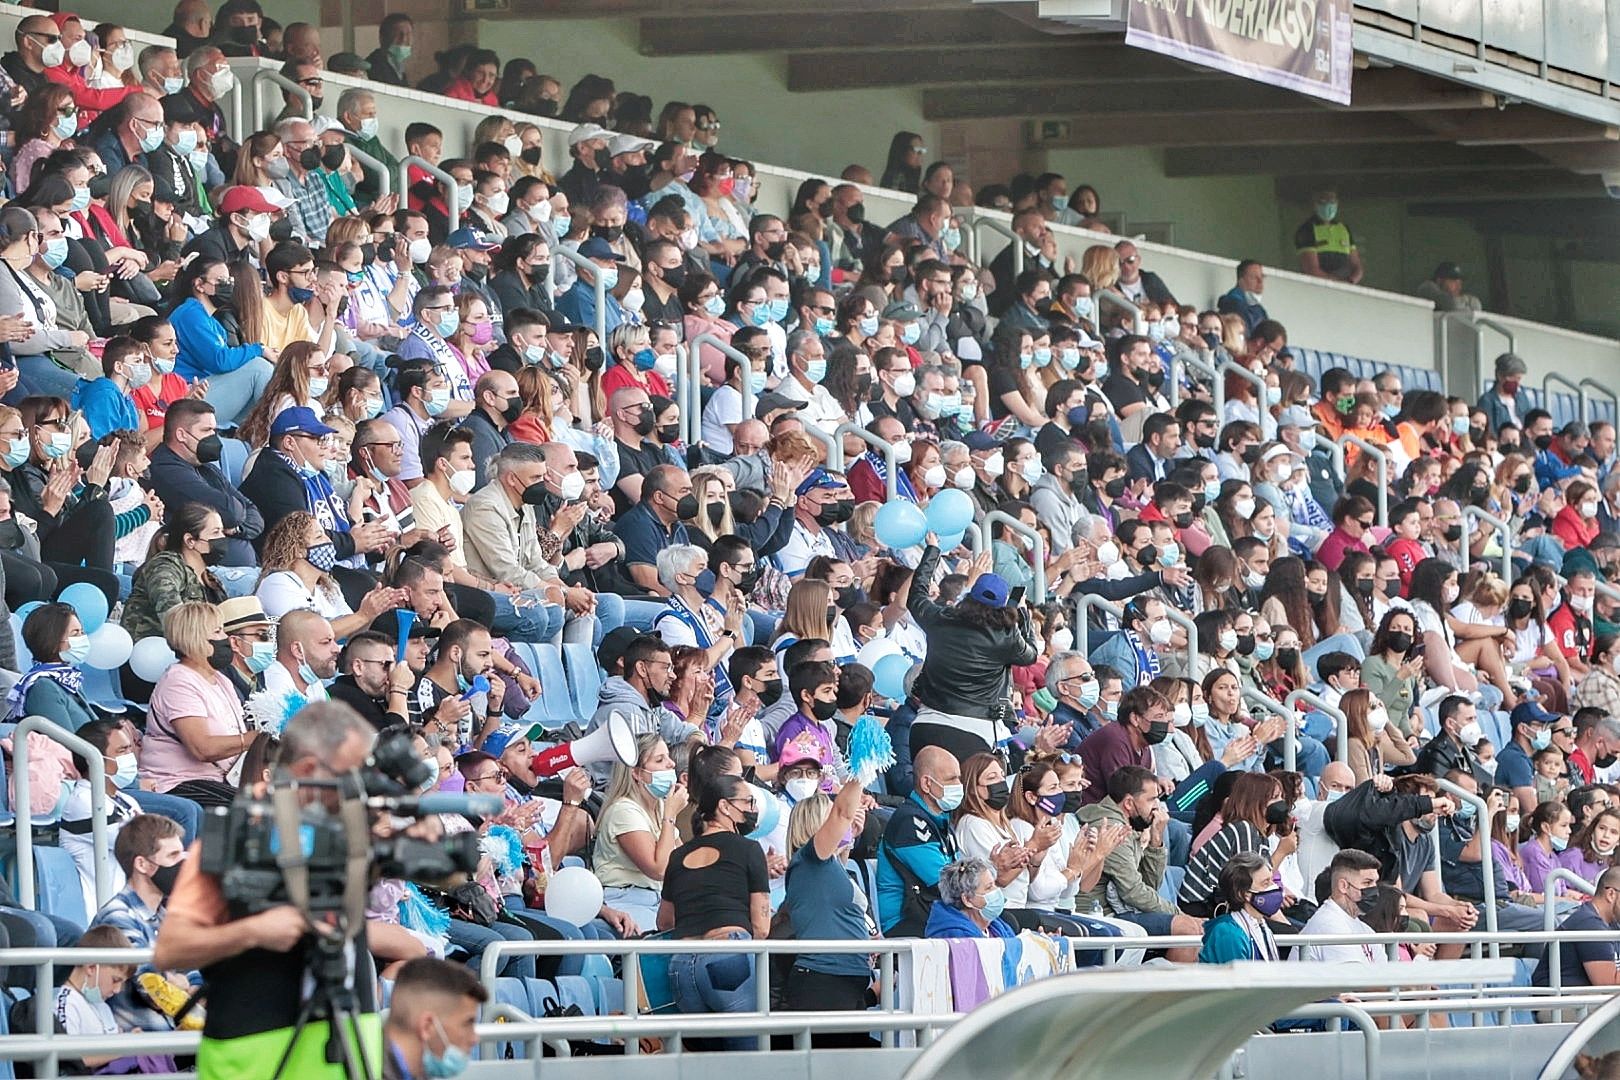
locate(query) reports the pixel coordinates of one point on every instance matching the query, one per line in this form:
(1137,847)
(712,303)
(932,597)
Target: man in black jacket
(1453,747)
(371,682)
(497,405)
(288,478)
(183,471)
(1366,817)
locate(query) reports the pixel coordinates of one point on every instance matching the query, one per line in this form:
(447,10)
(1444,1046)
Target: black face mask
(832,614)
(1519,608)
(1288,659)
(610,233)
(209,449)
(224,293)
(1148,555)
(100,186)
(1369,897)
(1453,533)
(1400,641)
(1315,599)
(1184,519)
(530,155)
(1071,802)
(1155,379)
(717,513)
(645,422)
(385,248)
(997,795)
(513,410)
(770,693)
(216,552)
(746,583)
(332,157)
(669,433)
(1204,442)
(164,878)
(823,710)
(245,35)
(835,513)
(1157,732)
(1211,338)
(309,159)
(687,507)
(593,362)
(856,212)
(536,494)
(219,654)
(1245,646)
(1365,586)
(850,595)
(1276,812)
(863,387)
(1115,488)
(1138,823)
(1541,442)
(368,253)
(1522,484)
(674,276)
(281,231)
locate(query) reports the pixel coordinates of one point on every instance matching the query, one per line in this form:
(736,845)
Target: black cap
(771,401)
(614,644)
(1448,271)
(387,624)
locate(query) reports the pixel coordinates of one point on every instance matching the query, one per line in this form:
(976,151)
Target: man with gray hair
(807,367)
(970,903)
(161,72)
(357,112)
(1507,402)
(311,214)
(501,534)
(1071,681)
(208,78)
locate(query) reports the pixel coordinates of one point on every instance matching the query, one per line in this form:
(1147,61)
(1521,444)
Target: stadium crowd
(258,408)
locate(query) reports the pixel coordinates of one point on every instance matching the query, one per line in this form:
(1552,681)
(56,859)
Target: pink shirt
(181,692)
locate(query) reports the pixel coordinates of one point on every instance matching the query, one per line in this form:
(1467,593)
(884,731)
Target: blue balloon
(900,524)
(24,611)
(950,511)
(952,542)
(88,602)
(889,677)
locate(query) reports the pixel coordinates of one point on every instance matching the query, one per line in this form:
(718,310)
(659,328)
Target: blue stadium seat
(656,986)
(233,457)
(1313,362)
(554,708)
(576,990)
(584,676)
(540,991)
(609,995)
(513,992)
(57,890)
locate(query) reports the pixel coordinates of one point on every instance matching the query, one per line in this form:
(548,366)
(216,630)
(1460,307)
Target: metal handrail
(1037,551)
(1251,696)
(1502,527)
(889,450)
(1379,455)
(1606,392)
(582,263)
(1549,918)
(1232,367)
(264,75)
(1109,297)
(452,202)
(1371,1035)
(1197,366)
(1341,727)
(1552,377)
(834,445)
(1487,862)
(695,365)
(385,182)
(1082,631)
(1592,1025)
(1476,323)
(975,222)
(21,783)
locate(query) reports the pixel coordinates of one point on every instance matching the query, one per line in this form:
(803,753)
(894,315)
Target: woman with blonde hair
(806,616)
(301,377)
(1099,264)
(196,734)
(1234,336)
(712,484)
(633,363)
(292,577)
(636,831)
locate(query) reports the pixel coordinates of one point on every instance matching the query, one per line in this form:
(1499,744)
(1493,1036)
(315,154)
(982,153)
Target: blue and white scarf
(322,501)
(66,676)
(700,629)
(902,486)
(1147,661)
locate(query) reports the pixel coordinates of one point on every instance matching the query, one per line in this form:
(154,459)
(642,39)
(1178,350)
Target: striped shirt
(1204,868)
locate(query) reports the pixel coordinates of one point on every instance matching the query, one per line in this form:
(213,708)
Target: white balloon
(574,895)
(875,650)
(151,657)
(110,646)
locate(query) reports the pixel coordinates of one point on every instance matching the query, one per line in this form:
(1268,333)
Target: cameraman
(254,966)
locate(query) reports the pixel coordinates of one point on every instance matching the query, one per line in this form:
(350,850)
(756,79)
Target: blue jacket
(106,408)
(47,698)
(945,921)
(1226,941)
(578,305)
(920,842)
(1496,413)
(1235,303)
(1118,653)
(203,348)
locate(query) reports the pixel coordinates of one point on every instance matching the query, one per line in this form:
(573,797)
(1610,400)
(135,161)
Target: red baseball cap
(245,197)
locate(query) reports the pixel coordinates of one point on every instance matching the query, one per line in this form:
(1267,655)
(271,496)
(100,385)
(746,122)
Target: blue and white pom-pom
(417,912)
(870,751)
(269,710)
(504,847)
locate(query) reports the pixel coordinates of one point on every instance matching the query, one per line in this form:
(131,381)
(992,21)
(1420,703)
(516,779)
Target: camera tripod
(333,999)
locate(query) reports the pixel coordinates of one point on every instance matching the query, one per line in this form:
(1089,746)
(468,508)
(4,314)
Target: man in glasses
(371,682)
(1139,285)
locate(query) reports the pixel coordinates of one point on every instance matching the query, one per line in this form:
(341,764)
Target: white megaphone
(612,741)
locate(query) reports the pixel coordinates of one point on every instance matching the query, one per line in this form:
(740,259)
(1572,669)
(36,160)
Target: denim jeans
(42,375)
(636,901)
(184,811)
(234,393)
(531,623)
(474,939)
(1177,842)
(716,983)
(639,614)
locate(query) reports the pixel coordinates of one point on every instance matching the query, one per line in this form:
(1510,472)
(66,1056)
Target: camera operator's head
(149,851)
(324,740)
(367,659)
(432,1015)
(305,640)
(465,652)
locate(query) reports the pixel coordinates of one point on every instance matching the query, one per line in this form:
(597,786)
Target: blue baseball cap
(298,420)
(819,478)
(465,238)
(502,737)
(1528,712)
(980,440)
(598,248)
(990,590)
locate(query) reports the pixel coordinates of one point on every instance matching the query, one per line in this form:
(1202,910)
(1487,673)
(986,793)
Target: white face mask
(462,481)
(1063,639)
(935,477)
(1108,553)
(1451,593)
(1182,715)
(498,203)
(1377,719)
(1228,640)
(1244,508)
(1161,632)
(905,384)
(633,299)
(995,464)
(801,788)
(571,486)
(221,82)
(964,478)
(902,452)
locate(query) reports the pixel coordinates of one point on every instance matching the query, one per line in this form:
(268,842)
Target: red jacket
(1574,530)
(90,102)
(462,90)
